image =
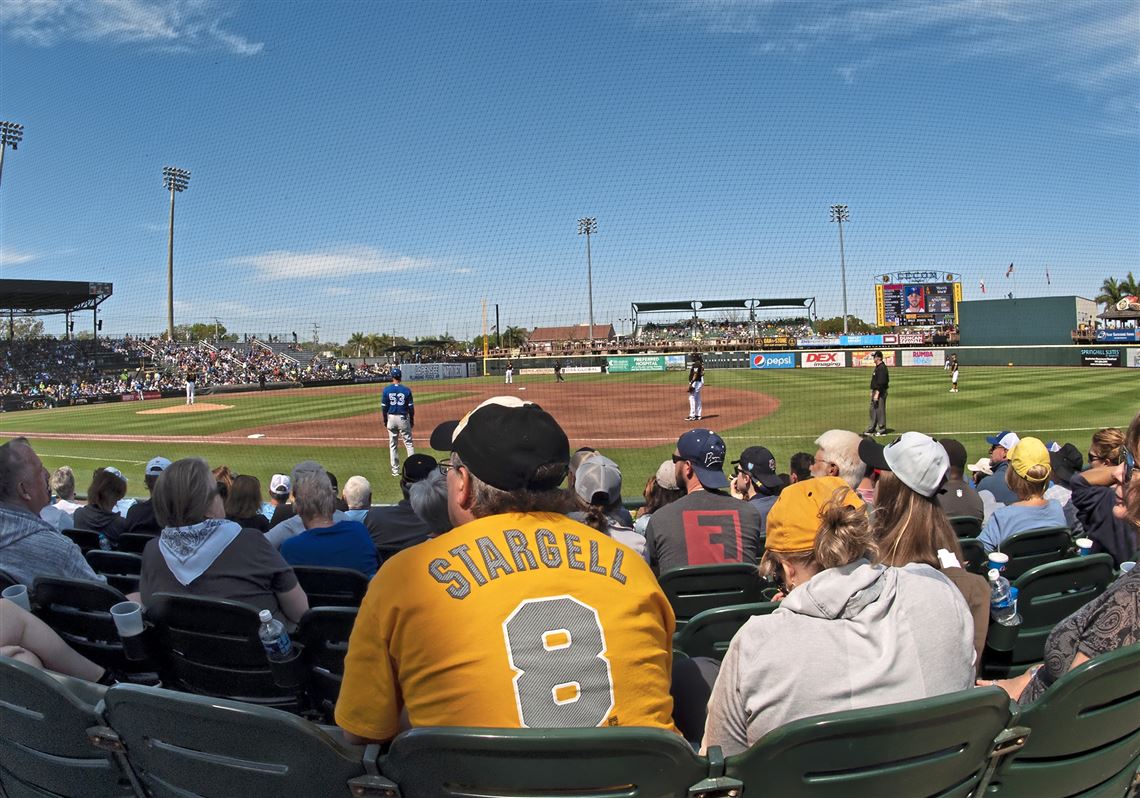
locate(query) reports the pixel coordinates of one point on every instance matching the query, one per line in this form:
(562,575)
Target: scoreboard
(906,303)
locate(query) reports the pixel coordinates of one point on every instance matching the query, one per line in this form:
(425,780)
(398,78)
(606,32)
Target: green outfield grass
(1052,403)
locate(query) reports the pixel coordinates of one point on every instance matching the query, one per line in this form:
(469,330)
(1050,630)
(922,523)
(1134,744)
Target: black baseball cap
(760,465)
(505,441)
(1067,462)
(417,467)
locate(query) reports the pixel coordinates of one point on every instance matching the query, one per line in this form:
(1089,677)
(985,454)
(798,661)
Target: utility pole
(175,180)
(839,214)
(587,227)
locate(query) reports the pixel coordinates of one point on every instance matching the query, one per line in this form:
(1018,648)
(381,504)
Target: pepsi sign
(773,360)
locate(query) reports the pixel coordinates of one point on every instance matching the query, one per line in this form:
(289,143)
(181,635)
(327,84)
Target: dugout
(53,298)
(1046,320)
(694,308)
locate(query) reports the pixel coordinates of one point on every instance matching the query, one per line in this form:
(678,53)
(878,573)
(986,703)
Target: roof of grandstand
(575,332)
(721,304)
(48,297)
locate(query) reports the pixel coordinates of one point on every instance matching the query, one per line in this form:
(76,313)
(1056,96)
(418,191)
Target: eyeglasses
(1129,465)
(446,465)
(678,459)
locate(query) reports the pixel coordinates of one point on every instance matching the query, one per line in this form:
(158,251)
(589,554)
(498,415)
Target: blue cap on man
(396,374)
(704,450)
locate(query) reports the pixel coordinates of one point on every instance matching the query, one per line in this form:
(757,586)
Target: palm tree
(356,341)
(515,336)
(1129,286)
(1111,291)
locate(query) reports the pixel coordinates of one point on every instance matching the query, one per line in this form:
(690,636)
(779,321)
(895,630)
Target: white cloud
(9,257)
(175,25)
(337,262)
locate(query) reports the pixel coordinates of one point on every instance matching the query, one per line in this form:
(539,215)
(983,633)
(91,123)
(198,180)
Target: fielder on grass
(399,416)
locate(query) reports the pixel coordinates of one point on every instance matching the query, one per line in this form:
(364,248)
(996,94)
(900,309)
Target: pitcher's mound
(199,407)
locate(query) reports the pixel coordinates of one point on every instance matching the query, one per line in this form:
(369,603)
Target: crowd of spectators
(876,603)
(726,331)
(67,369)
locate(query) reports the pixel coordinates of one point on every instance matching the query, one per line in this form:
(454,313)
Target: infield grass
(1065,404)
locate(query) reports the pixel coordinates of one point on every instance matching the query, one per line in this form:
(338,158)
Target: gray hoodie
(858,636)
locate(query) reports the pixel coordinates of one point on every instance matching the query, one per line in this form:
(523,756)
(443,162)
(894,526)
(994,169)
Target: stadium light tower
(587,227)
(839,214)
(174,180)
(10,136)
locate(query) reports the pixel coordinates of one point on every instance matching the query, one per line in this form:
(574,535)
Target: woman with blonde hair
(1028,477)
(1095,498)
(849,633)
(911,527)
(200,553)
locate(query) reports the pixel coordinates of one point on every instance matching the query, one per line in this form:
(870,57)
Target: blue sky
(387,166)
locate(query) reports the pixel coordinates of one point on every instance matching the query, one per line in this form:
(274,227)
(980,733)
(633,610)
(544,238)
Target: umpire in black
(880,380)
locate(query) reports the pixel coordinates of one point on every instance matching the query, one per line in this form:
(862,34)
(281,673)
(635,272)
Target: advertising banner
(579,370)
(1118,335)
(821,342)
(860,340)
(923,357)
(724,360)
(912,338)
(1101,358)
(1133,358)
(676,363)
(626,363)
(862,357)
(822,360)
(772,360)
(437,371)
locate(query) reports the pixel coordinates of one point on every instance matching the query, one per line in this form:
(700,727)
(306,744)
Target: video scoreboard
(918,299)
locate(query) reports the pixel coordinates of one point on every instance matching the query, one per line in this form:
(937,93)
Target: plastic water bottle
(1003,600)
(278,646)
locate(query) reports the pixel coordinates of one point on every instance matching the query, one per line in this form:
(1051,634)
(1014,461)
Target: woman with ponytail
(849,633)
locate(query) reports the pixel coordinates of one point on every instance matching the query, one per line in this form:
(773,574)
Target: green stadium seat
(331,587)
(1047,595)
(121,569)
(540,763)
(79,611)
(1085,738)
(1035,547)
(133,542)
(210,646)
(708,633)
(966,525)
(324,633)
(946,746)
(695,588)
(85,539)
(44,747)
(974,555)
(185,746)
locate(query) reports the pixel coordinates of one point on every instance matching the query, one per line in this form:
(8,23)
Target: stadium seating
(85,539)
(1047,594)
(1035,547)
(120,568)
(945,746)
(44,748)
(133,542)
(324,632)
(966,525)
(1085,736)
(210,646)
(7,580)
(708,633)
(696,588)
(519,763)
(331,587)
(973,555)
(183,746)
(80,612)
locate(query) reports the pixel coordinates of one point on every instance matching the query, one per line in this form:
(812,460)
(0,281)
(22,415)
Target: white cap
(598,480)
(917,460)
(981,467)
(156,466)
(265,616)
(280,483)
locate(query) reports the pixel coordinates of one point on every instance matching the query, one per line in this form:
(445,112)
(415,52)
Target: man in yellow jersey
(517,617)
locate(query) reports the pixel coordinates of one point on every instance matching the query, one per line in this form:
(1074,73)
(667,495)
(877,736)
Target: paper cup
(997,560)
(1084,546)
(128,618)
(1127,566)
(18,594)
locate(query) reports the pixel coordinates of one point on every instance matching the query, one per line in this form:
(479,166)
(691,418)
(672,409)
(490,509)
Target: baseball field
(634,418)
